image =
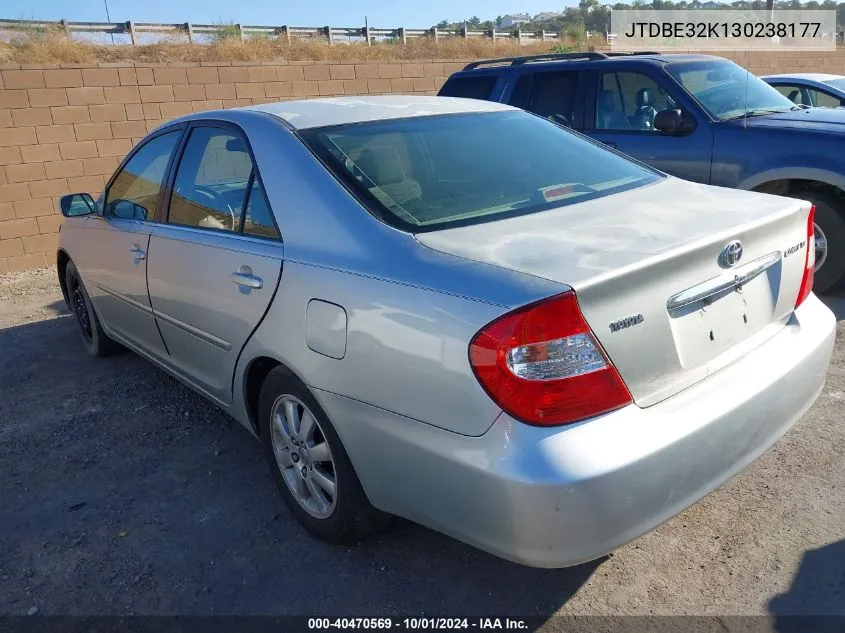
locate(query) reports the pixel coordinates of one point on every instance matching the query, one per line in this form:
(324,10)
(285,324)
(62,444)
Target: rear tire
(309,466)
(830,220)
(96,341)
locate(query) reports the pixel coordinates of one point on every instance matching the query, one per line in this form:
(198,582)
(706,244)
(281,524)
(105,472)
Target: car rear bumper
(555,497)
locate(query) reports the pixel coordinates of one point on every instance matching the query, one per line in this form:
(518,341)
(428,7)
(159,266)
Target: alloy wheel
(303,456)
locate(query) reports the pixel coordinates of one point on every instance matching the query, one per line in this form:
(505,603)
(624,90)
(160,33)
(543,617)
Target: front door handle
(138,252)
(611,144)
(246,280)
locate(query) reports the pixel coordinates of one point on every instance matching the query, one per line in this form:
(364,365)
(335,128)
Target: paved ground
(123,492)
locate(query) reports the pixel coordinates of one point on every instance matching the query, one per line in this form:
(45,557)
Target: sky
(349,13)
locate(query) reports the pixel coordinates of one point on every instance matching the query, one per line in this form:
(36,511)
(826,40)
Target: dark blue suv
(697,117)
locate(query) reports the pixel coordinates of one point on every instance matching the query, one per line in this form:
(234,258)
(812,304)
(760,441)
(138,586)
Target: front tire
(309,465)
(830,241)
(96,341)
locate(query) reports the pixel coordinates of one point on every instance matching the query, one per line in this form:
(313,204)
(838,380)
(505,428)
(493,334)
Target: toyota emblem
(731,254)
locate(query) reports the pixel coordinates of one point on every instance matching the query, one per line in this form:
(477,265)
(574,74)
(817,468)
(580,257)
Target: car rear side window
(135,191)
(473,87)
(549,94)
(258,219)
(212,181)
(432,172)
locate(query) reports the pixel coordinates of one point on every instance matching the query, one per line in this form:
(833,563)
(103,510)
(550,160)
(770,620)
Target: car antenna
(745,106)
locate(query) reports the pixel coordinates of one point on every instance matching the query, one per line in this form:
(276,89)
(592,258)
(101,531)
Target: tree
(443,24)
(474,21)
(598,20)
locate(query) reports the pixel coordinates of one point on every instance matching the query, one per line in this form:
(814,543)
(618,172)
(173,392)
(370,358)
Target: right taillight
(810,261)
(542,365)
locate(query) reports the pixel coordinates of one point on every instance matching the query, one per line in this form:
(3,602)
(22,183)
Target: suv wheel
(830,241)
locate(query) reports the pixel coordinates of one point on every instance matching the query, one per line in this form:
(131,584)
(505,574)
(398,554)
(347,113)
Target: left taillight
(809,261)
(542,364)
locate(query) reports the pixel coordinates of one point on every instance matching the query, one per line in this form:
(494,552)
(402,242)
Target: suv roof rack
(518,61)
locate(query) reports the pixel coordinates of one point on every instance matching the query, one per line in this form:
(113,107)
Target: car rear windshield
(434,172)
(472,87)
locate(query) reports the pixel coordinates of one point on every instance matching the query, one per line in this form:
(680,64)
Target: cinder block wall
(64,128)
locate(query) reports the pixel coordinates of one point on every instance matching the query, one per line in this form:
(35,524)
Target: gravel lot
(123,492)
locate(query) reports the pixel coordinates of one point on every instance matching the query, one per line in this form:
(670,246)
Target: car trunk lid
(651,280)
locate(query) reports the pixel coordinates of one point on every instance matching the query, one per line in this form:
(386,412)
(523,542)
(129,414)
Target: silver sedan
(455,312)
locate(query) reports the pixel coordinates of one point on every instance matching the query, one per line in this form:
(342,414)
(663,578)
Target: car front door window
(629,101)
(135,191)
(823,99)
(803,95)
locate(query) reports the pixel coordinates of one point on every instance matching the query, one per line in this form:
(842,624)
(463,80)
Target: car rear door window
(212,181)
(217,186)
(474,87)
(135,191)
(629,101)
(548,94)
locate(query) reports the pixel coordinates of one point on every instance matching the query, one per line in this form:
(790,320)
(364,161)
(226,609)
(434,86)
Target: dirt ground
(125,493)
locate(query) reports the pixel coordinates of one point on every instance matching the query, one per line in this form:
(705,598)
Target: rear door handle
(246,280)
(138,252)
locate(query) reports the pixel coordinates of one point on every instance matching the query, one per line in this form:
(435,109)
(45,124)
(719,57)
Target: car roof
(536,62)
(803,76)
(314,113)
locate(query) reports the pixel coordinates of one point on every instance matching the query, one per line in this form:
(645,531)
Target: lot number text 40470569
(418,623)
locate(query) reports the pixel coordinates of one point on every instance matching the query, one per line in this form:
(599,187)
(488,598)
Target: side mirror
(674,122)
(128,210)
(76,205)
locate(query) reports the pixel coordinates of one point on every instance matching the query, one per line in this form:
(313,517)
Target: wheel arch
(255,373)
(784,181)
(62,260)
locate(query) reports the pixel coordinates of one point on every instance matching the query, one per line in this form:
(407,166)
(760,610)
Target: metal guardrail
(332,34)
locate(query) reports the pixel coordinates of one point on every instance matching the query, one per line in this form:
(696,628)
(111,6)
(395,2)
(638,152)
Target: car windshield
(728,91)
(433,172)
(836,83)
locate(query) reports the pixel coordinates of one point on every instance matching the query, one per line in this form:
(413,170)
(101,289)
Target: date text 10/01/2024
(417,623)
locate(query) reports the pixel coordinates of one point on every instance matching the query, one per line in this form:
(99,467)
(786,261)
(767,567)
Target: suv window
(475,87)
(212,181)
(549,94)
(136,189)
(629,101)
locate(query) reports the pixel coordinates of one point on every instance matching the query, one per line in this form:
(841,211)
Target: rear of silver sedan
(681,345)
(558,496)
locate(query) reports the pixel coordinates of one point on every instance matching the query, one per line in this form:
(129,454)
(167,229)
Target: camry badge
(731,254)
(621,324)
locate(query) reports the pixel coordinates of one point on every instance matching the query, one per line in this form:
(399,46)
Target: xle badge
(621,324)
